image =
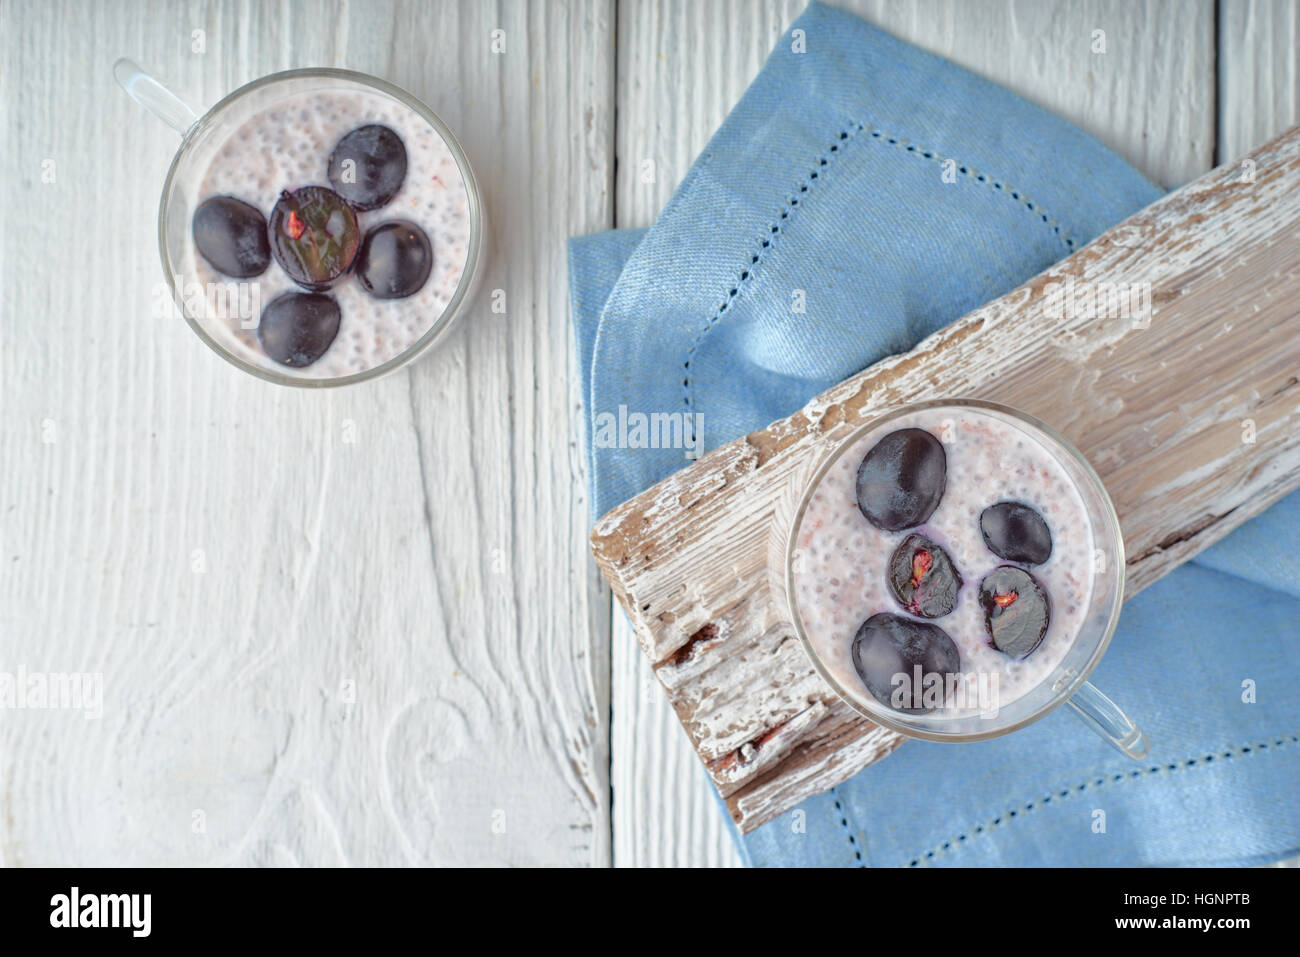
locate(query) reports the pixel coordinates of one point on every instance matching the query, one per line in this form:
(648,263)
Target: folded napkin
(861,195)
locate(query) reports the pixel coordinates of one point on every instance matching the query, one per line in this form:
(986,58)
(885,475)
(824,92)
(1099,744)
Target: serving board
(1189,410)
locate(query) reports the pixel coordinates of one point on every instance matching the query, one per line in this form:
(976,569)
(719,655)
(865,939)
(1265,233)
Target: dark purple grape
(297,327)
(314,235)
(394,260)
(923,578)
(1016,610)
(901,480)
(887,646)
(231,235)
(1015,532)
(367,166)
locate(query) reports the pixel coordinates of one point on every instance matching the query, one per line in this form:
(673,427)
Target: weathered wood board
(1188,412)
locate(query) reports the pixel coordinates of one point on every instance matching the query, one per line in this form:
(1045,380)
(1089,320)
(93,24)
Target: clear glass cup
(1067,682)
(202,137)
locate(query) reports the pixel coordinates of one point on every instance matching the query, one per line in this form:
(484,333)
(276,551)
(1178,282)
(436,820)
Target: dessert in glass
(317,227)
(955,570)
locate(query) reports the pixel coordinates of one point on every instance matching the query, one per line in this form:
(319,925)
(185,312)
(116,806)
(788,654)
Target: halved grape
(314,235)
(395,260)
(231,235)
(888,649)
(367,166)
(297,327)
(1016,532)
(901,480)
(1016,610)
(922,577)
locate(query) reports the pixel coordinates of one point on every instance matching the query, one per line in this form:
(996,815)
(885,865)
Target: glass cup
(1067,682)
(202,138)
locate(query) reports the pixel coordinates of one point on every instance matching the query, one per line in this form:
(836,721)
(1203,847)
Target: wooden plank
(1259,77)
(664,813)
(1149,95)
(683,65)
(239,560)
(1183,466)
(1259,85)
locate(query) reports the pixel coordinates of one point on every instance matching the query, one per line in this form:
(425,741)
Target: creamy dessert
(947,542)
(346,214)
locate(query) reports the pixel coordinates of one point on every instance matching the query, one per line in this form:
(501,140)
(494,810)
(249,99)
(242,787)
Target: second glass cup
(1008,611)
(265,142)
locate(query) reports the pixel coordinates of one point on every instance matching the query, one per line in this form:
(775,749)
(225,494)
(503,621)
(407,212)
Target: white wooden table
(362,627)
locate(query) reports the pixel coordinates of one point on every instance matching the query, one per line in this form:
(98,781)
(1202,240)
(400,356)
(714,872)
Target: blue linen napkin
(861,195)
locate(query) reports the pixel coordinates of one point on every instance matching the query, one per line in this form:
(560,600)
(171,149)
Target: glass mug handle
(153,96)
(1109,721)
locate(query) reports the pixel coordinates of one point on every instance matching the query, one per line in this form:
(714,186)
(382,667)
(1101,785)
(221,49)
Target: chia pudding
(348,213)
(947,540)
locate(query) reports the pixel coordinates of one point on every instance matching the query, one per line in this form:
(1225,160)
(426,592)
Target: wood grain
(1258,73)
(1259,85)
(226,684)
(242,561)
(1219,257)
(683,65)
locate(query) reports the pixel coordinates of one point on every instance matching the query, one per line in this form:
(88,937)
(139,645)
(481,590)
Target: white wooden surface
(231,555)
(438,560)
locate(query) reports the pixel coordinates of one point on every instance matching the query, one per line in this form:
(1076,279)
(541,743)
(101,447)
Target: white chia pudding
(291,145)
(848,586)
